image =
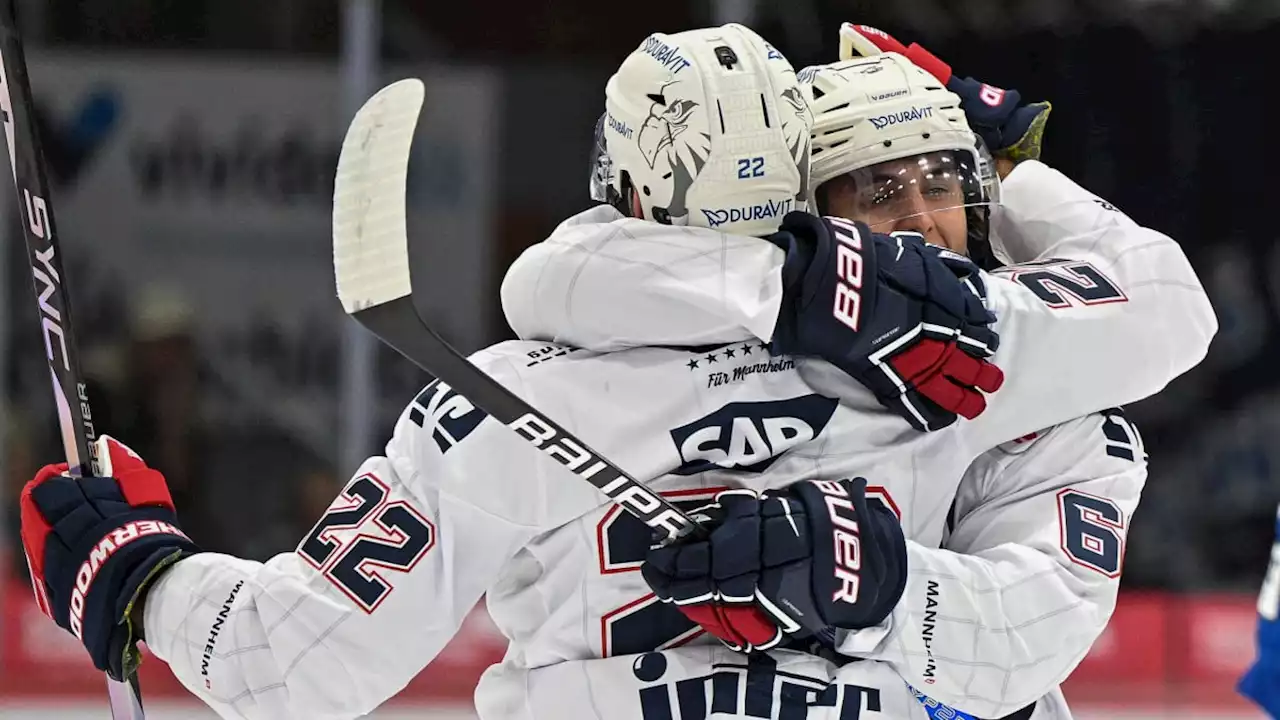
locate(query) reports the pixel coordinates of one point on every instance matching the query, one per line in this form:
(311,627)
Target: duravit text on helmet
(665,54)
(919,112)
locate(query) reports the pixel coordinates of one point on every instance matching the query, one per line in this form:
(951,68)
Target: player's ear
(636,210)
(628,203)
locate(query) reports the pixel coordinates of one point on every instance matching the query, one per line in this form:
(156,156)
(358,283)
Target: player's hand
(1009,128)
(94,543)
(798,562)
(900,316)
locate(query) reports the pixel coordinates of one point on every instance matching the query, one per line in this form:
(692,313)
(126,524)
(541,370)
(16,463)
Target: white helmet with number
(869,112)
(706,128)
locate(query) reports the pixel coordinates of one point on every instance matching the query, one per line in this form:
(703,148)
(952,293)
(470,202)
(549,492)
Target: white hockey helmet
(706,128)
(872,113)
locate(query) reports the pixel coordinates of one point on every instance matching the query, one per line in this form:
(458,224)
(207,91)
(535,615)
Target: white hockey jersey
(460,507)
(560,288)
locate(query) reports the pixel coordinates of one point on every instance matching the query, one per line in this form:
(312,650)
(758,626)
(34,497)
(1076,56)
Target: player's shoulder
(1107,437)
(1100,445)
(444,443)
(437,409)
(603,224)
(534,365)
(652,410)
(514,360)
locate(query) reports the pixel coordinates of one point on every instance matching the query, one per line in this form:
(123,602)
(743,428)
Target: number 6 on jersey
(1092,531)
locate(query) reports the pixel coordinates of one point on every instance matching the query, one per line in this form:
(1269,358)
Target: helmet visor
(601,165)
(895,190)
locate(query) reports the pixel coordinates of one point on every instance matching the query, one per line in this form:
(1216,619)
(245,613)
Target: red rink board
(1165,650)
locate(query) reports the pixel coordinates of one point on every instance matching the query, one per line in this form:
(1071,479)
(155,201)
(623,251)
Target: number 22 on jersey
(1066,283)
(363,535)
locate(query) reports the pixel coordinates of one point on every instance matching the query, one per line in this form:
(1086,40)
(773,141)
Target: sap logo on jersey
(904,116)
(763,211)
(749,436)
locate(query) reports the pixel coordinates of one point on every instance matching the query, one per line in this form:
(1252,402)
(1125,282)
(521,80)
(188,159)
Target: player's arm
(1028,577)
(1108,313)
(1113,321)
(331,630)
(605,282)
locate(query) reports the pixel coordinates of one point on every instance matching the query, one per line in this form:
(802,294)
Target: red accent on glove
(916,54)
(969,370)
(948,376)
(35,530)
(741,626)
(140,485)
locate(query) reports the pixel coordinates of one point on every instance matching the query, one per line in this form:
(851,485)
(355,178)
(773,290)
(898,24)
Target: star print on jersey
(743,361)
(729,352)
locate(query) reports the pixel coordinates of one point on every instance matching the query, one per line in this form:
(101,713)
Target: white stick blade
(370,244)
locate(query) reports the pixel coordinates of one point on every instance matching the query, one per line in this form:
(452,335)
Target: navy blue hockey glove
(796,563)
(900,316)
(94,543)
(1008,127)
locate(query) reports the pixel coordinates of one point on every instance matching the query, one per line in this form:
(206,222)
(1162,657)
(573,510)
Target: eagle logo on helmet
(664,136)
(797,130)
(664,124)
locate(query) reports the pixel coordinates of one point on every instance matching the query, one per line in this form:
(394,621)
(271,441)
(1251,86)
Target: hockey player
(1038,524)
(1261,683)
(459,507)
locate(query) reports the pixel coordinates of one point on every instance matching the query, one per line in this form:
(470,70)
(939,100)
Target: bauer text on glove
(902,317)
(802,561)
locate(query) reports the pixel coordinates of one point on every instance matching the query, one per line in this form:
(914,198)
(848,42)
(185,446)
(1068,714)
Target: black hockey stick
(371,264)
(35,210)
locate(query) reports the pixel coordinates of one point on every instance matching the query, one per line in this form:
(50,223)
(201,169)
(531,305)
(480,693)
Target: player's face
(923,194)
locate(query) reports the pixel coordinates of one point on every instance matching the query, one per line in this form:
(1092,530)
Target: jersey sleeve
(604,282)
(1027,580)
(374,591)
(1102,306)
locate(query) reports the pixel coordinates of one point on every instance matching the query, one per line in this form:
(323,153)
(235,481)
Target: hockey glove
(799,562)
(94,543)
(1008,127)
(902,317)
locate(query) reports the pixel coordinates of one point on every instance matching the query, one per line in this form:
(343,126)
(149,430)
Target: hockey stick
(371,264)
(36,211)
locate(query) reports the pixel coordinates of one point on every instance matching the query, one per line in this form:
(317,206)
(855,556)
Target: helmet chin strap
(978,220)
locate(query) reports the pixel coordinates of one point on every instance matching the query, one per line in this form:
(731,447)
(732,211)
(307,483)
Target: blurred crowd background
(193,145)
